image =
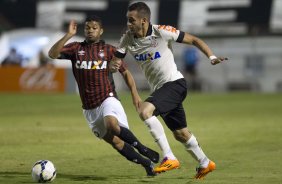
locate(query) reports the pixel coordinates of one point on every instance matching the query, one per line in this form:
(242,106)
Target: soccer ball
(43,171)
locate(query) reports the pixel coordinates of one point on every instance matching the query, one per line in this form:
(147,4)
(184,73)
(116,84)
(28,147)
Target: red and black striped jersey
(90,68)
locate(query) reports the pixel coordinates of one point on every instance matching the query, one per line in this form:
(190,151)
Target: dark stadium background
(248,32)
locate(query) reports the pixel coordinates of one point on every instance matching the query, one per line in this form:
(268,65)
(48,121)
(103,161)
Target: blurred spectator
(191,58)
(13,59)
(44,60)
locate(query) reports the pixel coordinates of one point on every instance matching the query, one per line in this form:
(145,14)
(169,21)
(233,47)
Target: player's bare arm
(54,52)
(128,78)
(200,44)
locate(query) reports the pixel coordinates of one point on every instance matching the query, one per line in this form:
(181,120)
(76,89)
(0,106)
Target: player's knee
(112,126)
(145,114)
(146,110)
(181,136)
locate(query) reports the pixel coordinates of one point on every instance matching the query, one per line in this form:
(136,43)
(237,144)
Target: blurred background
(248,32)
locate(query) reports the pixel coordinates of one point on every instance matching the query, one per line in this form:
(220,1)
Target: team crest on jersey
(81,53)
(101,53)
(147,56)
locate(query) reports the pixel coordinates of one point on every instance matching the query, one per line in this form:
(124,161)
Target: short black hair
(142,9)
(94,18)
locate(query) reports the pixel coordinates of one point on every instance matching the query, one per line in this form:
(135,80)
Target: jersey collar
(96,43)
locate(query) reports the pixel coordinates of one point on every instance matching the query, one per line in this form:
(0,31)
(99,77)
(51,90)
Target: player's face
(134,22)
(92,31)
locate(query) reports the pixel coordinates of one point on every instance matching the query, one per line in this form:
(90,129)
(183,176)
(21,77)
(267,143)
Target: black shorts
(168,102)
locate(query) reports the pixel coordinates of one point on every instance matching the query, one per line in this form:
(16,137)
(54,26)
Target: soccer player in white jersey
(150,45)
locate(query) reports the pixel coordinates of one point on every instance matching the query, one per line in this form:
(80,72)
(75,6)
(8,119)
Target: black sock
(127,136)
(131,155)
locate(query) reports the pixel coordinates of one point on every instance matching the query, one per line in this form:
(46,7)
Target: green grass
(241,132)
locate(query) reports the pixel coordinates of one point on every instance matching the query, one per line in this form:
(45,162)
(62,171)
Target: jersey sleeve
(68,51)
(122,47)
(170,33)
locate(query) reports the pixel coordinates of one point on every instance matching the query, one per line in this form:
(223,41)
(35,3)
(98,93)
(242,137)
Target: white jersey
(153,53)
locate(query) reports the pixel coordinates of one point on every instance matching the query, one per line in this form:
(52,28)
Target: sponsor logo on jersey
(94,65)
(147,56)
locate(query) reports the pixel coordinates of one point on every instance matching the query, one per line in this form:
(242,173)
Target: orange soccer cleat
(202,172)
(167,165)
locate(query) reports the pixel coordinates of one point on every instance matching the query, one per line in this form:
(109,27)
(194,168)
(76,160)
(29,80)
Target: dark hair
(94,18)
(142,9)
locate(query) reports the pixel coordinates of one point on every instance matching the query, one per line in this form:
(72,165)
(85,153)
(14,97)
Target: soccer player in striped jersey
(101,107)
(150,45)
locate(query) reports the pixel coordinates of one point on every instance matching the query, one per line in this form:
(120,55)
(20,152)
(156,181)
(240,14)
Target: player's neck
(92,41)
(143,32)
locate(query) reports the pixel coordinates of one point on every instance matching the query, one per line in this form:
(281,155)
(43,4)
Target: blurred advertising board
(42,79)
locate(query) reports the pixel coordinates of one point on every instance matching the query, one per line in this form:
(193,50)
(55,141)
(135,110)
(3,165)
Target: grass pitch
(241,132)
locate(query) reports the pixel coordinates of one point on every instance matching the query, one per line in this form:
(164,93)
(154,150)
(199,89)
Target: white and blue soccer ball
(43,171)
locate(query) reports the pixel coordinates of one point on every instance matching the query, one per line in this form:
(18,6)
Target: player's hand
(72,28)
(136,101)
(115,64)
(218,60)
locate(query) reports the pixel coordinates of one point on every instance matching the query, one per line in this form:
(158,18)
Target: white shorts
(95,117)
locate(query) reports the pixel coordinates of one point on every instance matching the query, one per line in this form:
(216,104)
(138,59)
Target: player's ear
(144,20)
(101,31)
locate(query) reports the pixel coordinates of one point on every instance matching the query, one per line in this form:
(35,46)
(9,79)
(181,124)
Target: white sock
(157,131)
(192,146)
